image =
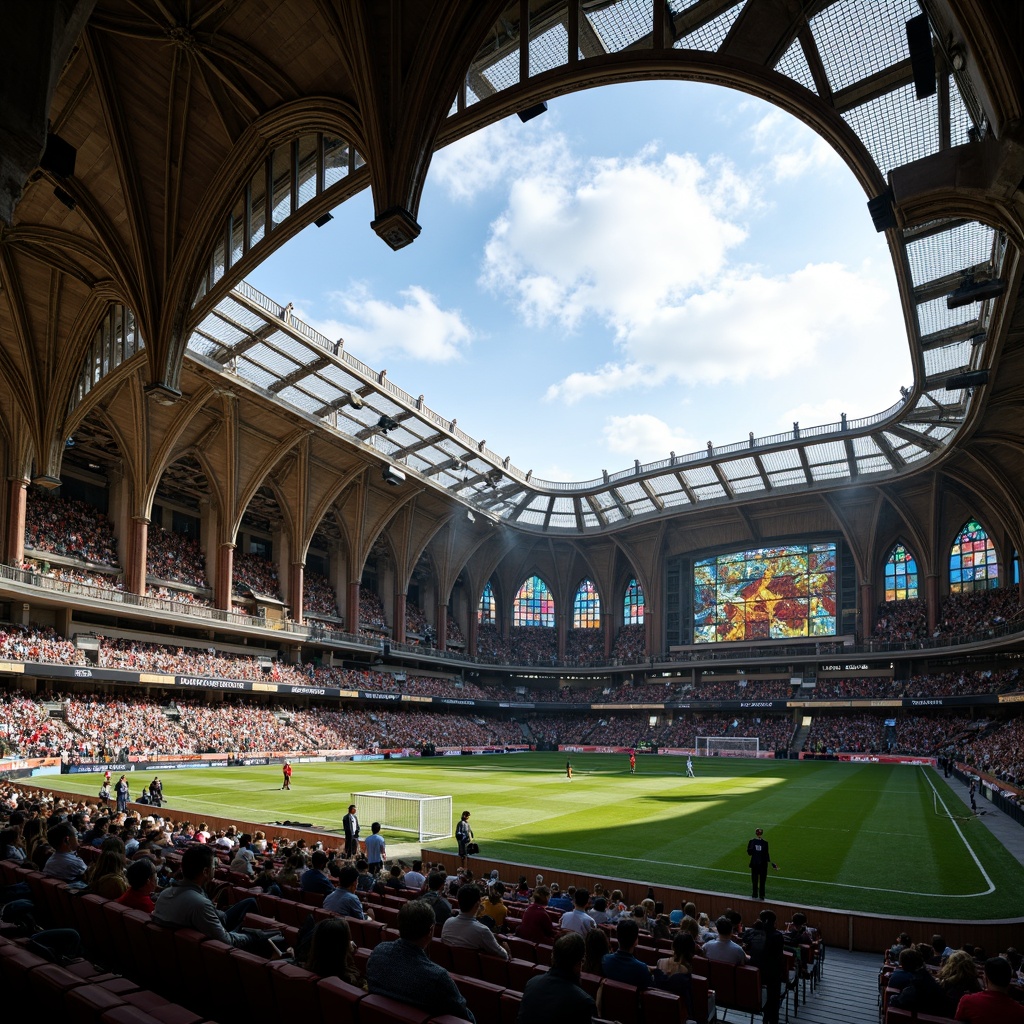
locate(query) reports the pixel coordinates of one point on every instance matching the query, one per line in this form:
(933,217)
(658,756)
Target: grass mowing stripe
(658,826)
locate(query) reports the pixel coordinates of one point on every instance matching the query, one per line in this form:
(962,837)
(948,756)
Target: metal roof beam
(895,459)
(298,374)
(881,82)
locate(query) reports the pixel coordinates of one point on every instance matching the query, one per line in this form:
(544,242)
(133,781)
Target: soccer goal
(427,817)
(728,746)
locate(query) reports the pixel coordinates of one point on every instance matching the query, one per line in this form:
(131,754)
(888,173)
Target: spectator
(402,970)
(994,1005)
(466,931)
(556,996)
(723,948)
(622,965)
(331,952)
(578,920)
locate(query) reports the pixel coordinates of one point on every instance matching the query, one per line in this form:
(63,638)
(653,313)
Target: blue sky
(642,269)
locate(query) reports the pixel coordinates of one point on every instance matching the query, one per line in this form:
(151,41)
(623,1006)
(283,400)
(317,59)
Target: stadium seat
(522,949)
(296,991)
(220,976)
(86,1004)
(658,1007)
(381,1010)
(465,961)
(49,983)
(510,1002)
(440,952)
(483,998)
(619,1001)
(338,1000)
(494,969)
(519,973)
(190,986)
(255,987)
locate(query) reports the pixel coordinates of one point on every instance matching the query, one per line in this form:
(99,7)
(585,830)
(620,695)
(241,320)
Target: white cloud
(792,148)
(417,328)
(502,151)
(616,239)
(751,327)
(646,437)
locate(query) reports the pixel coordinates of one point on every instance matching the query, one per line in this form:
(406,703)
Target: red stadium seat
(381,1010)
(338,1000)
(619,1001)
(483,998)
(510,1002)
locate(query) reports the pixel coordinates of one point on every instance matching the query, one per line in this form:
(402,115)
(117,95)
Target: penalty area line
(963,838)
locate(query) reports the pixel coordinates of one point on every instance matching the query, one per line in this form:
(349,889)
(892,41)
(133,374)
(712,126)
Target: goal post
(728,746)
(426,817)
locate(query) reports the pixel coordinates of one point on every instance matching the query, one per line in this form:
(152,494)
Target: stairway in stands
(797,743)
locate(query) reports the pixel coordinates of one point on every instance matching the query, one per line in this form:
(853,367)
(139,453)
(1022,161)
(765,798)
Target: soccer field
(888,839)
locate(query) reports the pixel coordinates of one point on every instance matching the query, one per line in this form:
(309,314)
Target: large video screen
(765,594)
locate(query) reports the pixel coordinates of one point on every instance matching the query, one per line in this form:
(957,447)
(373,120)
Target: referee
(760,858)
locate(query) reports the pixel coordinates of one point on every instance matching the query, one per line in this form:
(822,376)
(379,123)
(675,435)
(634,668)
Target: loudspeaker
(922,56)
(58,157)
(883,216)
(531,112)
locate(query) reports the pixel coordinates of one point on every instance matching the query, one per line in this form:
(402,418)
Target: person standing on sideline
(105,794)
(632,762)
(760,858)
(689,767)
(375,851)
(568,769)
(973,791)
(463,836)
(121,789)
(286,771)
(351,824)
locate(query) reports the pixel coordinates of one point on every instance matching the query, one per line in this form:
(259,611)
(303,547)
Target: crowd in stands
(371,614)
(174,558)
(773,733)
(552,730)
(180,596)
(455,637)
(873,688)
(28,730)
(900,621)
(64,526)
(533,645)
(976,611)
(69,579)
(415,620)
(630,643)
(255,573)
(946,684)
(584,646)
(741,689)
(318,595)
(104,724)
(999,752)
(964,614)
(868,733)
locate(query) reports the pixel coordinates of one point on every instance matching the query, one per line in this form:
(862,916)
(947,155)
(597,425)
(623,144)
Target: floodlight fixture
(969,379)
(531,112)
(975,291)
(324,219)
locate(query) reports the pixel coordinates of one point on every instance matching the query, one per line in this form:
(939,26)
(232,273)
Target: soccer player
(632,762)
(689,767)
(286,771)
(568,769)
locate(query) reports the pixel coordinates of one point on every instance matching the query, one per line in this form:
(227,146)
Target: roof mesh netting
(861,46)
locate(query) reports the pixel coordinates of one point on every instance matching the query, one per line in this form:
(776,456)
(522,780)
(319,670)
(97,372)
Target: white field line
(746,874)
(970,849)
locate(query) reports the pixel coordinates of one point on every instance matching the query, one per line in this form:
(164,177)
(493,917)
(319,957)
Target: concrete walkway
(1001,825)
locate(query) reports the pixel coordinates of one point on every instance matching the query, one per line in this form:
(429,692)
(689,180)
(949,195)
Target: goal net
(728,746)
(427,817)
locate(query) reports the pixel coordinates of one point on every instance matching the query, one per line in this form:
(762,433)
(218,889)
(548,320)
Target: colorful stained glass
(486,614)
(534,605)
(972,560)
(586,607)
(633,604)
(900,575)
(765,594)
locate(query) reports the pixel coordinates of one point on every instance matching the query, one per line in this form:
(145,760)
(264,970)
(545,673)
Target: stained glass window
(534,605)
(586,607)
(633,604)
(900,575)
(972,560)
(485,614)
(765,594)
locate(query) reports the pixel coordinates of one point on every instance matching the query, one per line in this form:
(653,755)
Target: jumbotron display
(765,594)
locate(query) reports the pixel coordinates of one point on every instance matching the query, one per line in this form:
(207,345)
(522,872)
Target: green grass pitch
(852,837)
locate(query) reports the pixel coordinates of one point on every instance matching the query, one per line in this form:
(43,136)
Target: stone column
(442,626)
(398,623)
(352,608)
(222,576)
(295,593)
(14,542)
(931,596)
(609,630)
(137,548)
(867,610)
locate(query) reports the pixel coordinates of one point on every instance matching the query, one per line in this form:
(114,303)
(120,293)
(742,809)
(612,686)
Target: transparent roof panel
(878,29)
(794,65)
(622,23)
(950,251)
(710,37)
(897,127)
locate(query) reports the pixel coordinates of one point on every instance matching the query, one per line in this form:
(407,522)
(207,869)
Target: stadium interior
(210,506)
